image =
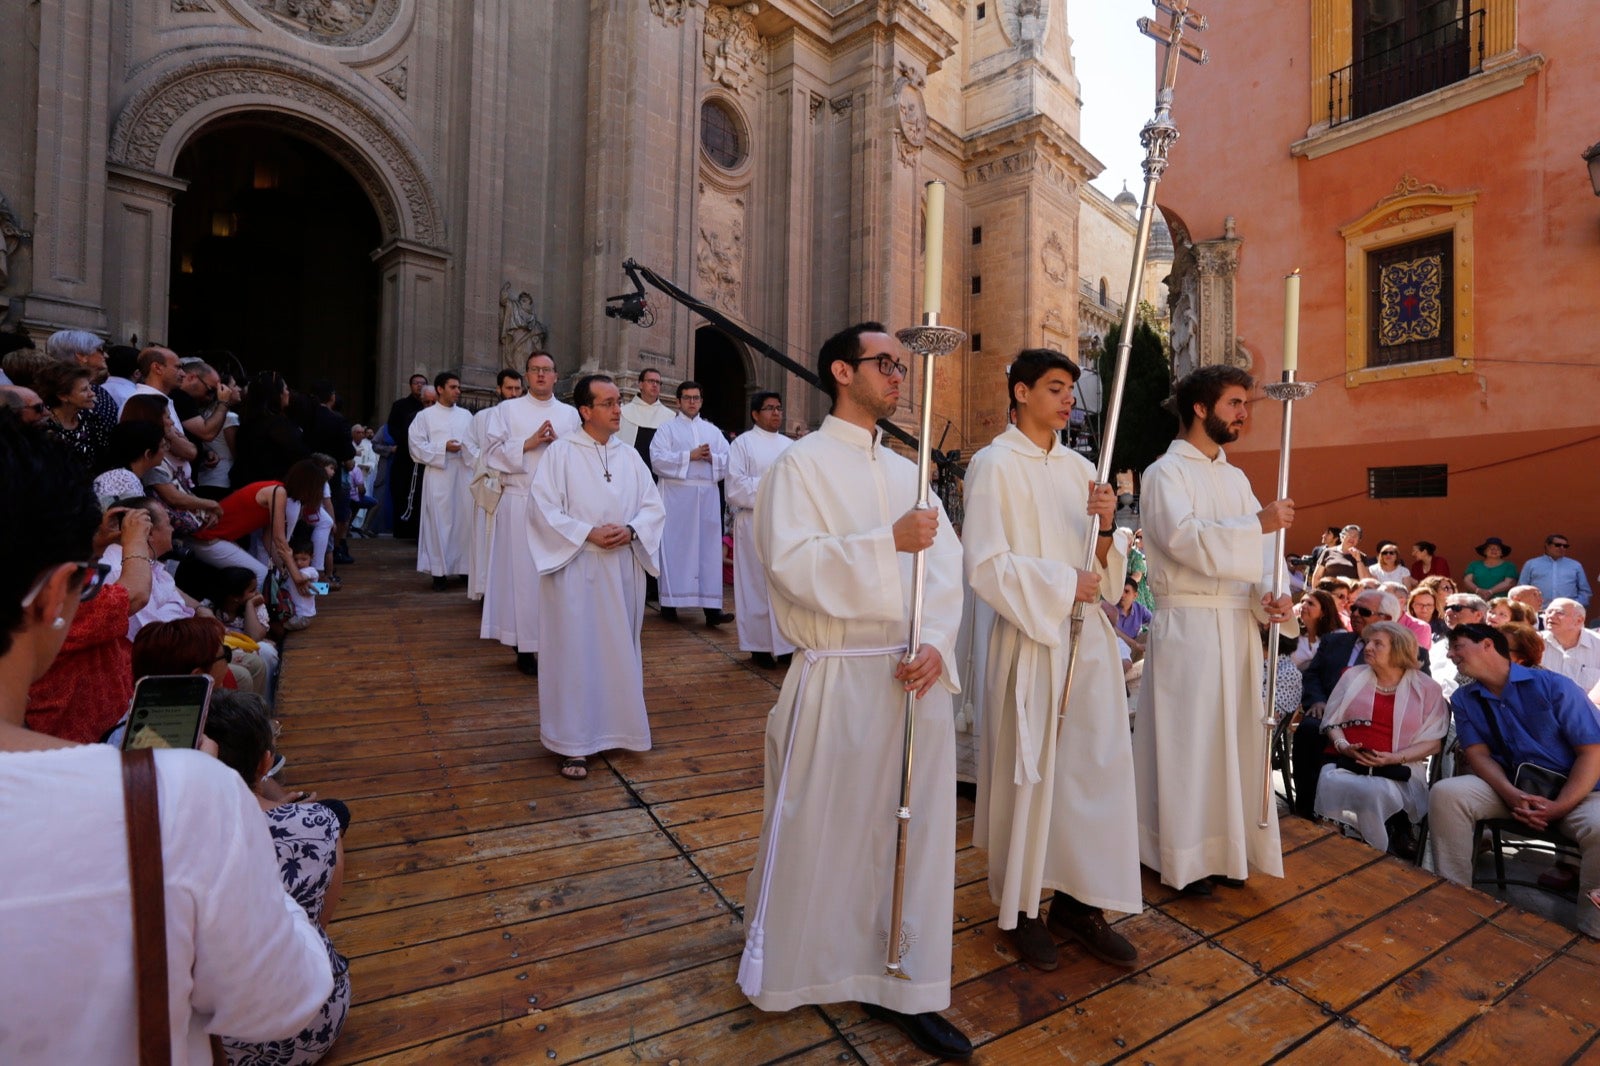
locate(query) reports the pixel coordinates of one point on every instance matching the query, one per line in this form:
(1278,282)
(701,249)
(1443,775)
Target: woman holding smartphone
(241,958)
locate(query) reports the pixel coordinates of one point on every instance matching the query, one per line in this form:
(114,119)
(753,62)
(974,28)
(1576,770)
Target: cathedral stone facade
(363,189)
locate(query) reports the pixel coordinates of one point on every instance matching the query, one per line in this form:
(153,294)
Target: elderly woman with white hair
(1383,720)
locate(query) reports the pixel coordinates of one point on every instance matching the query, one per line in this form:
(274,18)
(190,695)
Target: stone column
(138,253)
(69,173)
(410,313)
(482,258)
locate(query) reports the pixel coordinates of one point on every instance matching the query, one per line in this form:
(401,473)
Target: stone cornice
(1013,147)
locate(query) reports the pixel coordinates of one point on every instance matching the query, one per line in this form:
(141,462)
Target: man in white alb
(440,439)
(1055,790)
(508,386)
(515,439)
(1198,742)
(644,414)
(690,455)
(749,457)
(836,528)
(598,525)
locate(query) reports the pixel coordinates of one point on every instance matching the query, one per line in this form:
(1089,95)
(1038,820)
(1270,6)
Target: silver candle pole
(1287,391)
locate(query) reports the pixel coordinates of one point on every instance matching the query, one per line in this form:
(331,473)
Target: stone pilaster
(138,252)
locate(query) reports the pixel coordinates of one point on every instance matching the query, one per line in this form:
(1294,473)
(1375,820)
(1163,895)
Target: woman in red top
(262,507)
(1382,721)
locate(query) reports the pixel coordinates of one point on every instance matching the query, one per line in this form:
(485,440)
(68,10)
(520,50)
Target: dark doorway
(719,367)
(272,260)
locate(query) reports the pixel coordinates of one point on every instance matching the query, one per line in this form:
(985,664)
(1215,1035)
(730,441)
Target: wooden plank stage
(496,913)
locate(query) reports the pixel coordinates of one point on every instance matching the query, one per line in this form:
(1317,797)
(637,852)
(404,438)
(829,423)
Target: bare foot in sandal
(575,769)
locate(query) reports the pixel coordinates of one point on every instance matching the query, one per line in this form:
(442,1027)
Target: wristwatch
(1107,534)
(633,534)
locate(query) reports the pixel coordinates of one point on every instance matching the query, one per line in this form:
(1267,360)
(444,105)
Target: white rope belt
(751,963)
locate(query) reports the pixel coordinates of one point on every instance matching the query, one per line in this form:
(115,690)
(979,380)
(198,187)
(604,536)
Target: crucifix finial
(1159,133)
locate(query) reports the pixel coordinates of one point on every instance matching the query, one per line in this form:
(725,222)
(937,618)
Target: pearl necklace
(1390,691)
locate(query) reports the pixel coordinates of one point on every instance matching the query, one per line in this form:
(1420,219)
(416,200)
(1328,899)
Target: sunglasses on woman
(93,576)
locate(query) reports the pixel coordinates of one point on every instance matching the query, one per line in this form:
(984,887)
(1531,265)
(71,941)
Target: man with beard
(836,526)
(407,407)
(1197,738)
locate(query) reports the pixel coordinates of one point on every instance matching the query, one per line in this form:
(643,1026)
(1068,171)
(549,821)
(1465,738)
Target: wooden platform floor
(496,913)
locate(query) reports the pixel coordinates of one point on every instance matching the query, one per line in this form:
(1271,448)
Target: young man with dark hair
(835,526)
(690,455)
(1197,738)
(441,441)
(508,386)
(750,456)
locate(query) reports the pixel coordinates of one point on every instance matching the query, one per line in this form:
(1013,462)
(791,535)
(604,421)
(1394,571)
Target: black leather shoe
(440,584)
(928,1031)
(1087,925)
(717,618)
(764,660)
(1033,943)
(669,614)
(1227,882)
(528,663)
(1200,888)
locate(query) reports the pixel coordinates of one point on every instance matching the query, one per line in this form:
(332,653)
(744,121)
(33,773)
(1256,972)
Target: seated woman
(1319,616)
(241,957)
(170,480)
(68,390)
(1503,610)
(266,512)
(1423,605)
(1419,629)
(135,449)
(1524,642)
(1383,720)
(309,841)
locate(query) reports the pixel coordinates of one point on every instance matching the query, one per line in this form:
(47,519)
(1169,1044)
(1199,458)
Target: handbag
(1392,773)
(1539,780)
(142,808)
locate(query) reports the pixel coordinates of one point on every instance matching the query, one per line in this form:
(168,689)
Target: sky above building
(1116,74)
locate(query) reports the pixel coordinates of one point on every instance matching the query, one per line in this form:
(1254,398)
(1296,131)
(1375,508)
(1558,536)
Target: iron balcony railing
(1450,51)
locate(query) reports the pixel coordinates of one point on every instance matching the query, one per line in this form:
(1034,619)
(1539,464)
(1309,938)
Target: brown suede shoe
(1088,927)
(1032,941)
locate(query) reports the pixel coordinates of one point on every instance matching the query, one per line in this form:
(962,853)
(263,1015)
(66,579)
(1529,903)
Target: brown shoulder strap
(149,905)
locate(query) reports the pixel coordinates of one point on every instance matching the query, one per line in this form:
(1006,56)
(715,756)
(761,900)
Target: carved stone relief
(521,332)
(1202,299)
(671,12)
(339,23)
(1025,20)
(396,77)
(911,114)
(12,236)
(185,7)
(733,50)
(719,253)
(1053,257)
(1027,161)
(142,127)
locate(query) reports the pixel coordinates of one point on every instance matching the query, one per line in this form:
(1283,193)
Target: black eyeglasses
(1362,612)
(1388,552)
(888,365)
(1452,607)
(40,408)
(93,576)
(224,655)
(769,409)
(1563,545)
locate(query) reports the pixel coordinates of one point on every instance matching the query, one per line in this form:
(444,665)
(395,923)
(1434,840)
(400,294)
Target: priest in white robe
(508,386)
(1198,741)
(1055,792)
(644,414)
(597,526)
(690,455)
(440,438)
(836,527)
(517,437)
(750,456)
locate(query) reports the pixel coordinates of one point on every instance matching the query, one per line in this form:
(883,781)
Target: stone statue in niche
(733,49)
(1185,330)
(521,332)
(671,12)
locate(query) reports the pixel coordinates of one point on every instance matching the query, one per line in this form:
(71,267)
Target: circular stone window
(722,134)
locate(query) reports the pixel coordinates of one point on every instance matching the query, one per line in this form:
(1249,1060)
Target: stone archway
(176,104)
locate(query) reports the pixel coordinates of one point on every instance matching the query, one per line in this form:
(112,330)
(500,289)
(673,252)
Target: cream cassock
(1055,799)
(1197,738)
(817,905)
(749,457)
(482,521)
(511,595)
(591,601)
(691,547)
(445,534)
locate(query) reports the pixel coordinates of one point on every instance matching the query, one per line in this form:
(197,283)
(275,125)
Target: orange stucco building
(1421,163)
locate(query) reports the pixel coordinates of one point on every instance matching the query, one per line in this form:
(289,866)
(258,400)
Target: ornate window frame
(742,125)
(1412,211)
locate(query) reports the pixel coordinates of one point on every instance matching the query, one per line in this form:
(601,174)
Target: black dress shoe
(1227,882)
(669,614)
(440,584)
(716,618)
(928,1031)
(1200,888)
(343,558)
(528,663)
(764,660)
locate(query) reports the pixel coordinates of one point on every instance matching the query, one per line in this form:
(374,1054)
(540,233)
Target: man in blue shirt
(1554,574)
(1506,716)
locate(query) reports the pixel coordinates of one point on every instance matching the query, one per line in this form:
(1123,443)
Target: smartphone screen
(169,711)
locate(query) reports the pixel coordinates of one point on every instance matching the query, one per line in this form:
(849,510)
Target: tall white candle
(933,241)
(1291,322)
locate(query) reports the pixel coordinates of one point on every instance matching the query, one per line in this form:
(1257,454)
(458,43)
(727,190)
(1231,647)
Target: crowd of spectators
(165,521)
(1489,688)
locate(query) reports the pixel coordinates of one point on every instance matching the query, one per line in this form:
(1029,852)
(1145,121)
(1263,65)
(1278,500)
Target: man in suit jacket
(1336,653)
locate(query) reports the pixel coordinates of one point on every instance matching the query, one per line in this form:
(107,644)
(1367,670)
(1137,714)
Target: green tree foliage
(1146,428)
